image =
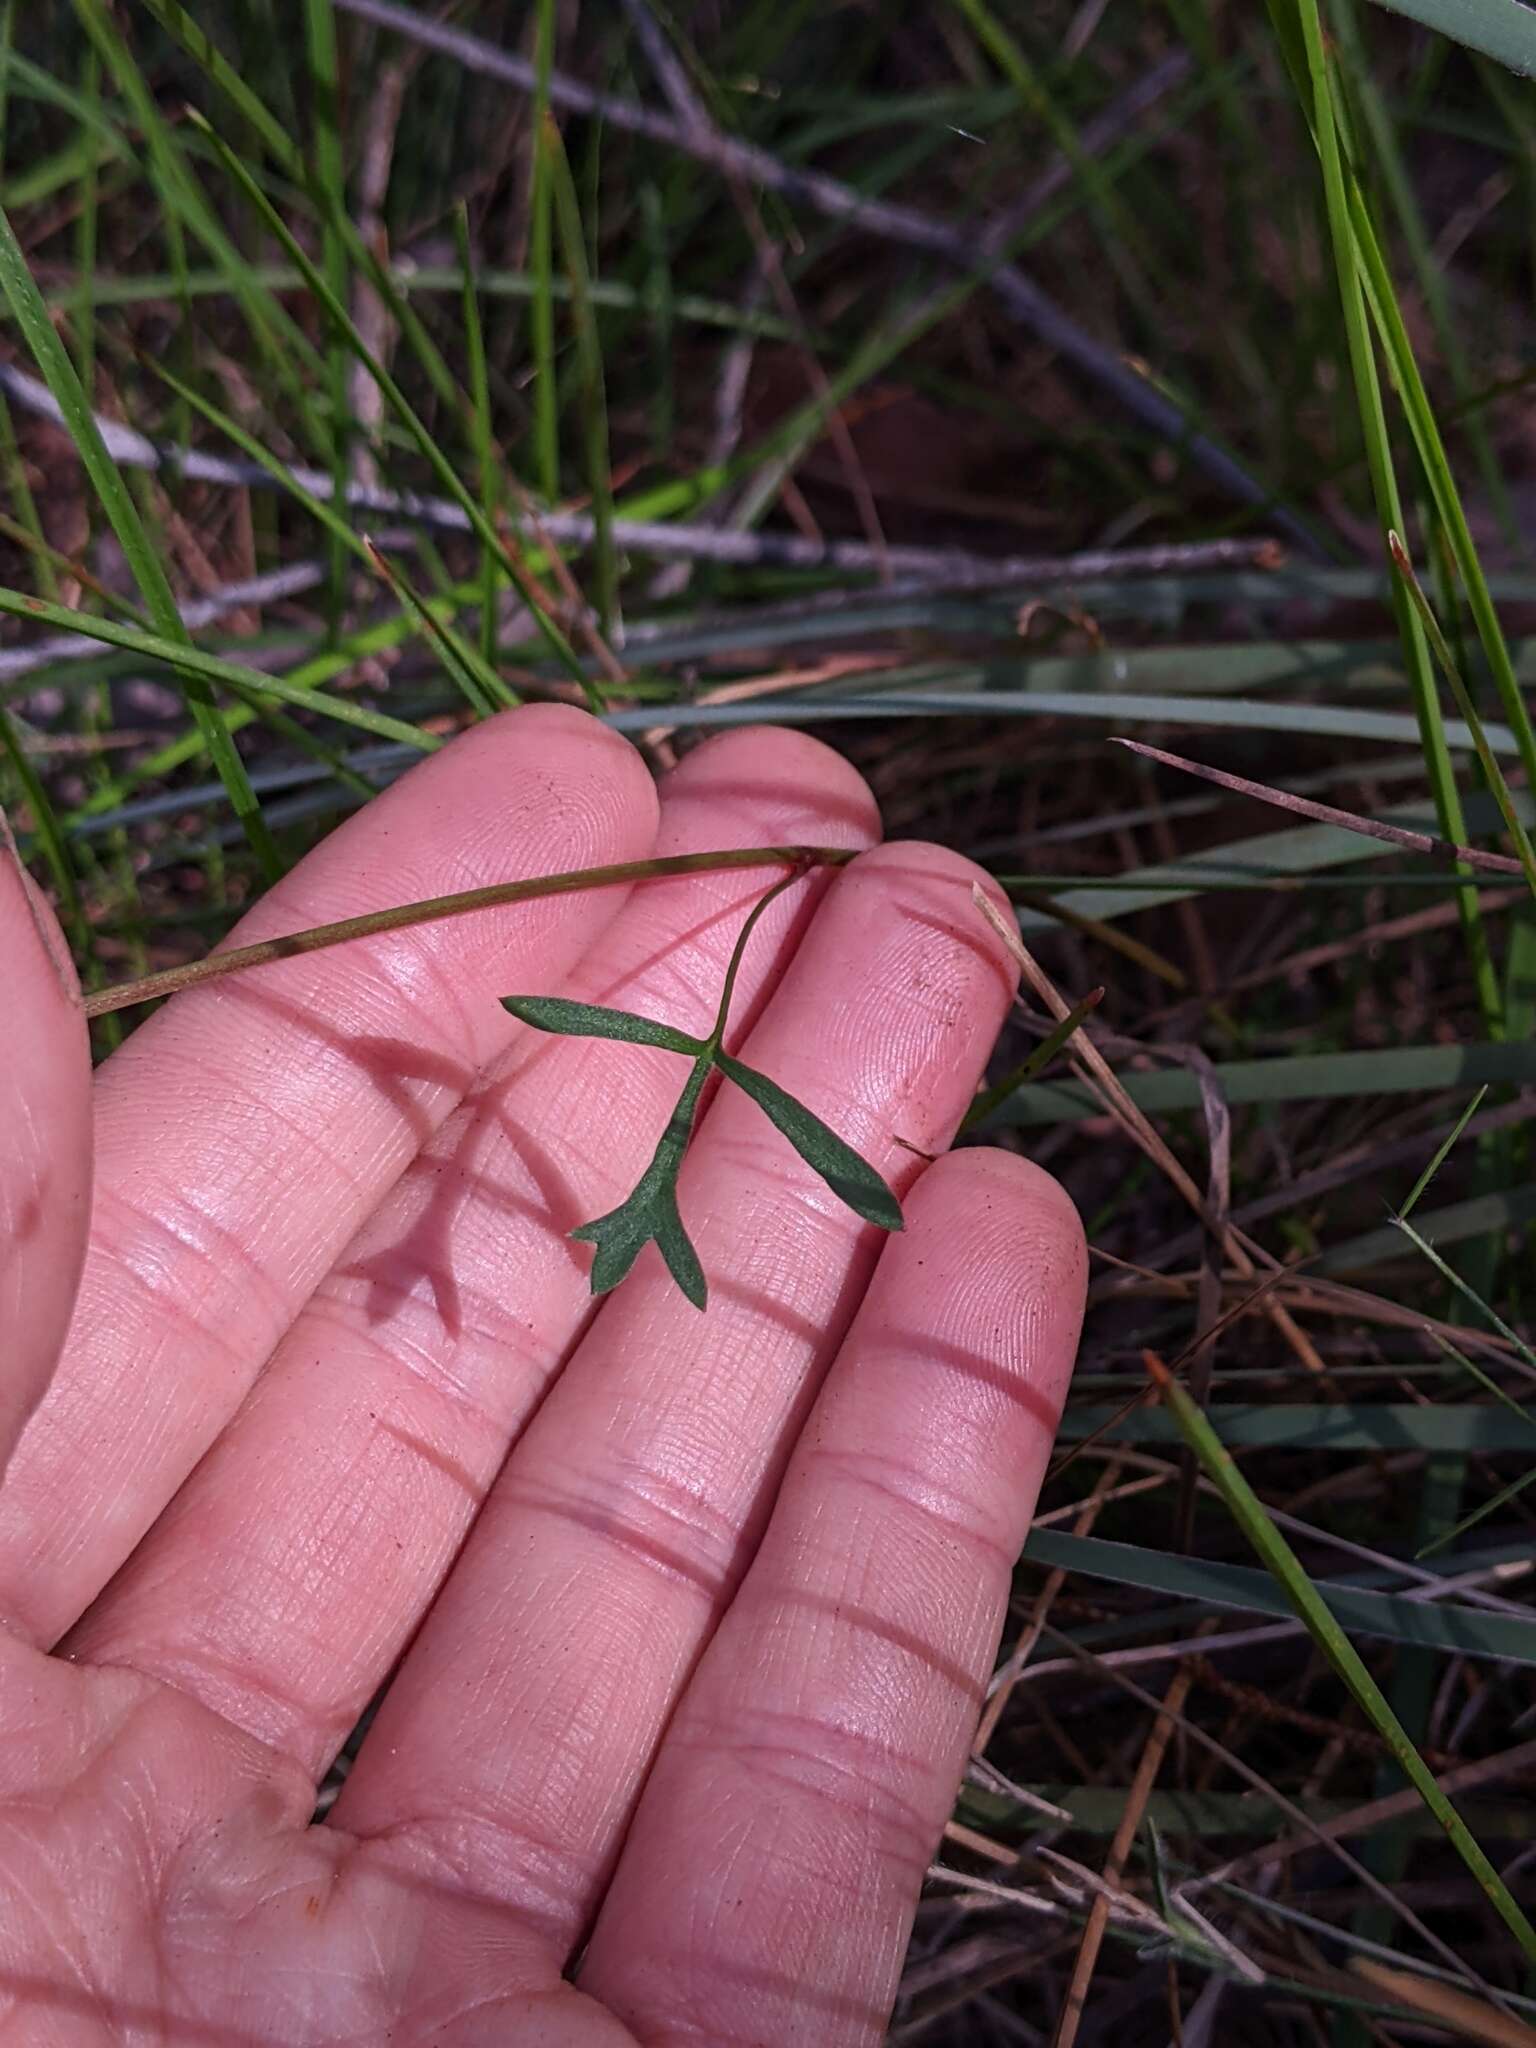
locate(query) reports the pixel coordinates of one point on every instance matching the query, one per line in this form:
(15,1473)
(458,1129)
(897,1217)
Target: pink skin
(691,1614)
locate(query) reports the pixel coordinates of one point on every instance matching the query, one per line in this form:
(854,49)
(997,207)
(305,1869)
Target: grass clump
(971,386)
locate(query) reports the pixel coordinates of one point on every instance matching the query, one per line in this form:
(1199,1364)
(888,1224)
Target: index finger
(245,1132)
(45,1143)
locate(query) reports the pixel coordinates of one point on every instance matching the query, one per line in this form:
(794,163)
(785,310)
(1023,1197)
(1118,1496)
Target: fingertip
(822,796)
(566,728)
(552,759)
(937,886)
(959,879)
(997,1178)
(27,922)
(997,1252)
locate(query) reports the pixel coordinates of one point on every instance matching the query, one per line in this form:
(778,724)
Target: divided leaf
(650,1213)
(651,1210)
(850,1177)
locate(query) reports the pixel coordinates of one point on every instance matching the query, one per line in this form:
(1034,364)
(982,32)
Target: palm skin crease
(689,1615)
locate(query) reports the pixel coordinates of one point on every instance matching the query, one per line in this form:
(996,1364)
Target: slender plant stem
(318,937)
(716,1038)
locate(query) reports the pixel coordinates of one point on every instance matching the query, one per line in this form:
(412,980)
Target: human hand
(691,1614)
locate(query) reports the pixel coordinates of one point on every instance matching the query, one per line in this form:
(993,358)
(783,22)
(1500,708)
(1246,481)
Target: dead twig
(909,225)
(1096,1074)
(1330,814)
(955,569)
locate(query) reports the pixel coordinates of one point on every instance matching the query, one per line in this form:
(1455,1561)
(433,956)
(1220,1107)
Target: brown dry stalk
(1114,1864)
(1096,1074)
(1411,925)
(1308,1830)
(1103,934)
(979,1845)
(1253,1699)
(495,894)
(1443,2007)
(1055,1579)
(830,669)
(1377,1813)
(1329,814)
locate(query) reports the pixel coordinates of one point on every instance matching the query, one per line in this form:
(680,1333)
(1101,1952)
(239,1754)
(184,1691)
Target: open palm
(687,1615)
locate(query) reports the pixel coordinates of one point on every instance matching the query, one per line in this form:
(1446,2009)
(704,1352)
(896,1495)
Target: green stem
(318,937)
(716,1038)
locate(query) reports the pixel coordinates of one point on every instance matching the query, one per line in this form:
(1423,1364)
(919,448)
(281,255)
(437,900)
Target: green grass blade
(86,230)
(541,261)
(483,687)
(1430,446)
(589,357)
(330,178)
(1300,1077)
(179,23)
(1378,450)
(329,199)
(474,675)
(405,413)
(283,344)
(1465,1290)
(1340,1429)
(52,358)
(1487,759)
(27,529)
(484,432)
(1377,121)
(1249,1512)
(1502,29)
(1443,1152)
(1491,1506)
(50,837)
(199,669)
(993,1098)
(1445,1625)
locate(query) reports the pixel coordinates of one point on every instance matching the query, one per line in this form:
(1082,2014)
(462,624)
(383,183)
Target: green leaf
(19,289)
(594,1020)
(651,1211)
(852,1179)
(1502,29)
(1443,1624)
